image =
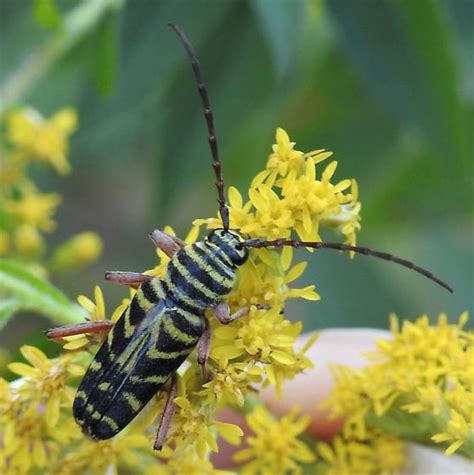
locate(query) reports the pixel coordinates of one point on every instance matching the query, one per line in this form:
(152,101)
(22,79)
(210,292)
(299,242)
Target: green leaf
(105,55)
(46,14)
(281,22)
(33,293)
(7,308)
(404,53)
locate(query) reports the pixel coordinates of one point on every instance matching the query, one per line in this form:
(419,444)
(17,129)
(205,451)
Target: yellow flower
(275,447)
(28,442)
(31,410)
(28,240)
(46,380)
(287,196)
(80,250)
(458,431)
(285,160)
(105,456)
(184,464)
(286,365)
(375,453)
(229,385)
(35,209)
(43,139)
(195,426)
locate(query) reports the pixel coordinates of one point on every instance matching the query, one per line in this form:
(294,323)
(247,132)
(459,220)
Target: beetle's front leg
(222,312)
(170,245)
(167,416)
(203,347)
(132,279)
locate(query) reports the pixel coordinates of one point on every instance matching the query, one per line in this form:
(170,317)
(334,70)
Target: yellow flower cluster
(32,411)
(421,383)
(275,447)
(45,140)
(374,453)
(288,196)
(38,432)
(27,212)
(254,351)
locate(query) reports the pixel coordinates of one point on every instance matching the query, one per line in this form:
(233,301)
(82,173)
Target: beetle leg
(202,349)
(170,245)
(57,334)
(167,416)
(132,279)
(222,312)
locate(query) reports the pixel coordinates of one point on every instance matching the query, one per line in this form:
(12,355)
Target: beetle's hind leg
(132,279)
(98,327)
(202,349)
(170,245)
(167,416)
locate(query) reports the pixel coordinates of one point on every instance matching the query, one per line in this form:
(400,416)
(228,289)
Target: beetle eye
(239,246)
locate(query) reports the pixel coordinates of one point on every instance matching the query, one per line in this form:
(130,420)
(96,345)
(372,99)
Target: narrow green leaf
(36,294)
(403,51)
(105,55)
(281,22)
(46,14)
(7,308)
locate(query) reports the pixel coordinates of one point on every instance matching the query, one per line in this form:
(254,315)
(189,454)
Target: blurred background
(388,86)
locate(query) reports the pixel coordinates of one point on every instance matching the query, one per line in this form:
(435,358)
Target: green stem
(76,25)
(418,427)
(37,295)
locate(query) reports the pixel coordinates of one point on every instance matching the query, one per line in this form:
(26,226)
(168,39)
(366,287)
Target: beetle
(165,320)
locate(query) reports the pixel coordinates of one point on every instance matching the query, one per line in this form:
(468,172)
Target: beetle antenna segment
(346,247)
(216,164)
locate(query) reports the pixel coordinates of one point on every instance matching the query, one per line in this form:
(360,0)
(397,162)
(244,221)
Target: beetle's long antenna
(346,247)
(216,164)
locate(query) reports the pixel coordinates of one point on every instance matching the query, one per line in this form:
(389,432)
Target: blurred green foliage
(387,85)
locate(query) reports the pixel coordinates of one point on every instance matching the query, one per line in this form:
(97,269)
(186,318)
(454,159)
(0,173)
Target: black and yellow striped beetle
(165,320)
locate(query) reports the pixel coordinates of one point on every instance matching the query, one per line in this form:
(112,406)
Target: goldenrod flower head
(28,212)
(35,209)
(375,453)
(288,196)
(426,370)
(46,380)
(31,410)
(275,447)
(105,456)
(28,241)
(195,426)
(229,385)
(285,159)
(80,250)
(187,463)
(43,139)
